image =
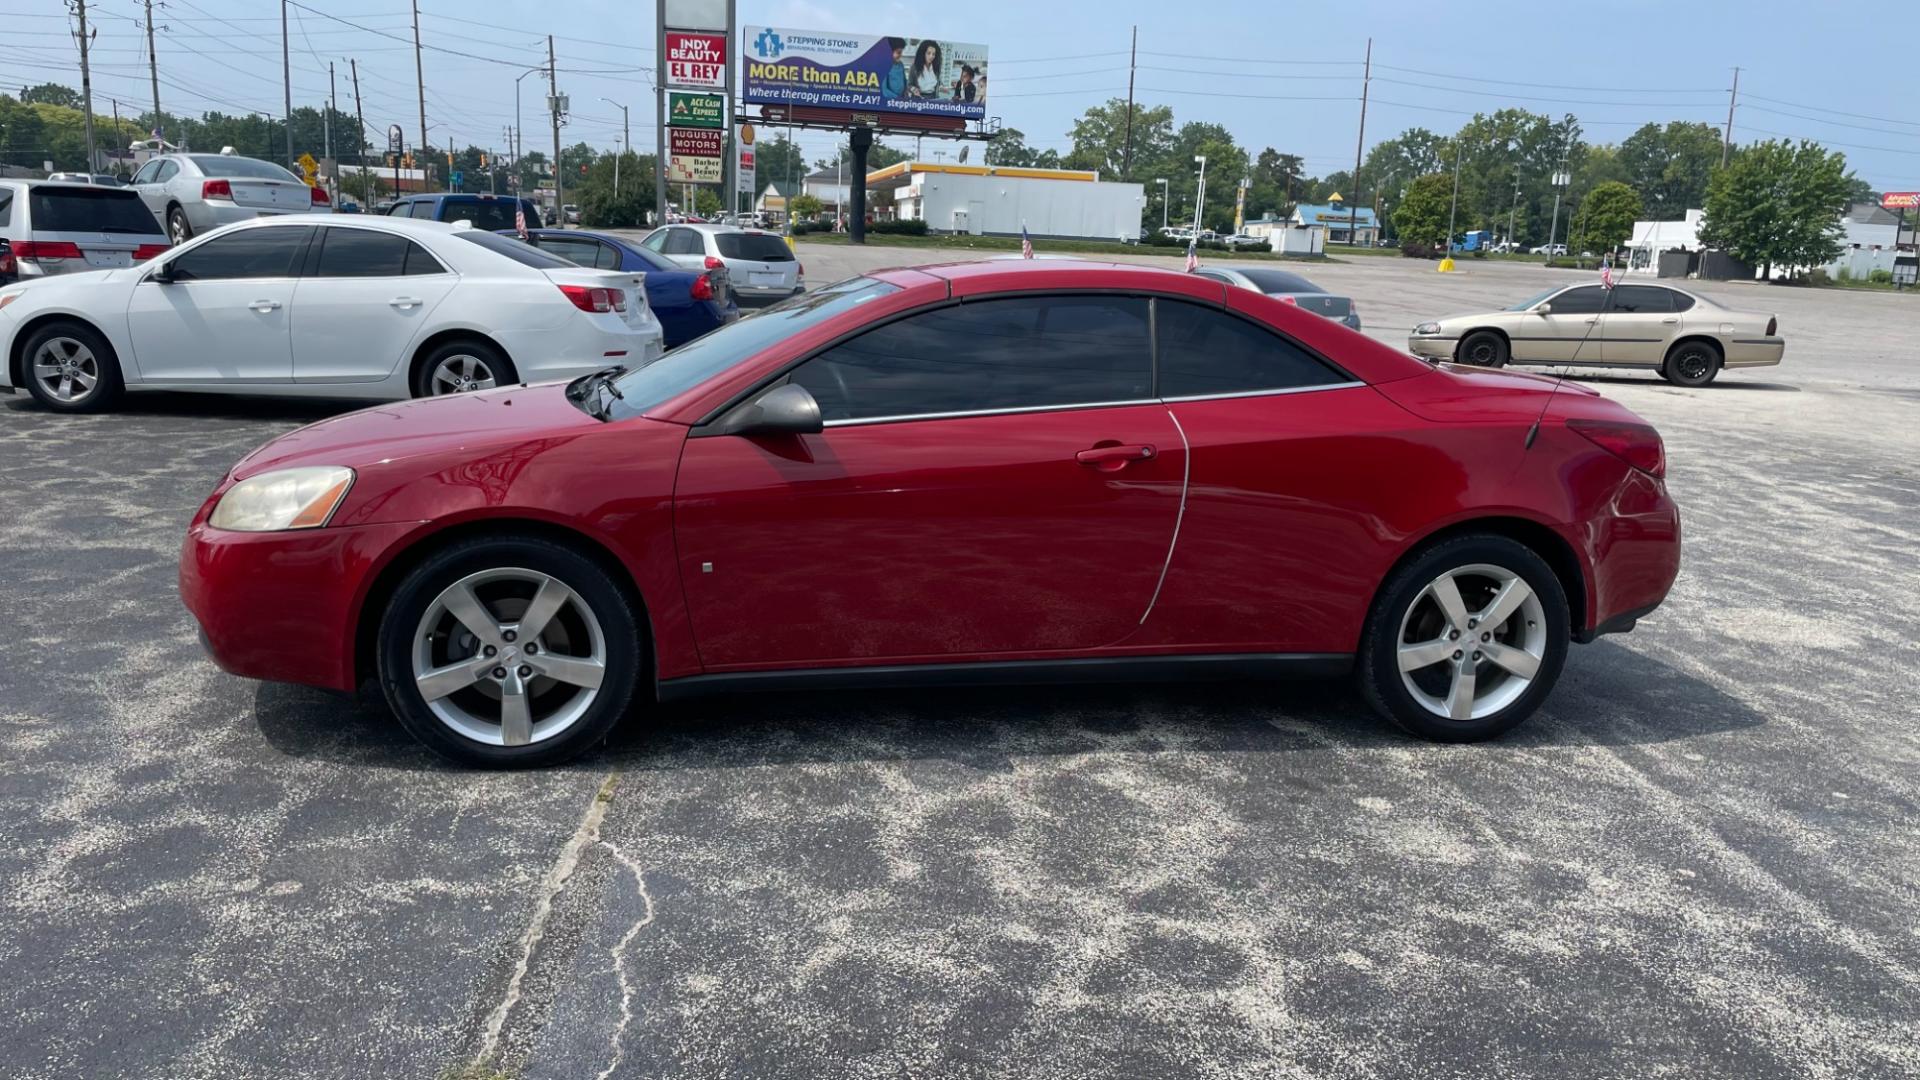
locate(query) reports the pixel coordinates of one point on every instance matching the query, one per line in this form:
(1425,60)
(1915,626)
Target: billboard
(878,74)
(696,60)
(1900,200)
(696,110)
(693,156)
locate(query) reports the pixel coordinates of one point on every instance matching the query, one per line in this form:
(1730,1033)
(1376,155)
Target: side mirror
(1544,309)
(784,410)
(162,274)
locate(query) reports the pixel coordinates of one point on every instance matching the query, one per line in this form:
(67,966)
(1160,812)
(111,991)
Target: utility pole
(1126,154)
(116,145)
(1199,193)
(360,133)
(1560,180)
(420,87)
(153,66)
(626,142)
(1515,208)
(326,122)
(1360,144)
(286,80)
(86,79)
(553,110)
(1455,204)
(660,112)
(1726,145)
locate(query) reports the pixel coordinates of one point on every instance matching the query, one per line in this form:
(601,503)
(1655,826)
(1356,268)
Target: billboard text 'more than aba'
(864,72)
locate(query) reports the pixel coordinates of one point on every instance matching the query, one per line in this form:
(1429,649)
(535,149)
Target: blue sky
(1279,74)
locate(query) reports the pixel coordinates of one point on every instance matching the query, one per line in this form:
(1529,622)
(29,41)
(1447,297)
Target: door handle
(404,302)
(1115,457)
(265,305)
(1671,319)
(1593,320)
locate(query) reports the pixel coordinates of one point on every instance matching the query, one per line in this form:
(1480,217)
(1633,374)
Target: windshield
(91,209)
(704,357)
(764,247)
(241,168)
(1534,299)
(1279,281)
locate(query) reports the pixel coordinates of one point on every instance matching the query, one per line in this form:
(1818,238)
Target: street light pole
(1455,204)
(1162,181)
(626,142)
(1200,193)
(1560,180)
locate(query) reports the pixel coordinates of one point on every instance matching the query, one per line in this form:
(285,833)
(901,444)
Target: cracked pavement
(1697,861)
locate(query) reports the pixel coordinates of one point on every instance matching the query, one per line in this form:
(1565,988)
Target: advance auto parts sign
(693,156)
(918,76)
(696,60)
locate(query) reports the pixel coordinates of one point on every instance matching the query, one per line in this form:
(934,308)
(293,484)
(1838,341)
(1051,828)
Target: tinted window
(1279,281)
(655,241)
(249,253)
(168,170)
(422,209)
(146,173)
(991,354)
(761,246)
(1205,351)
(366,253)
(1585,300)
(683,242)
(90,209)
(1681,301)
(524,254)
(704,357)
(484,213)
(241,168)
(579,252)
(6,205)
(1641,300)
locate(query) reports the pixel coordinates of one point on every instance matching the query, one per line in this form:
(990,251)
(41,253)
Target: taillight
(1773,325)
(703,288)
(45,251)
(597,301)
(320,197)
(799,268)
(714,263)
(1289,300)
(1636,444)
(216,189)
(148,251)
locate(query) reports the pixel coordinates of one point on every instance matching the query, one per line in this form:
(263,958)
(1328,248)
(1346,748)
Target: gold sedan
(1686,337)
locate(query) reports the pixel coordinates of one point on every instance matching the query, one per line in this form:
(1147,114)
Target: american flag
(1606,271)
(1193,256)
(520,220)
(1026,242)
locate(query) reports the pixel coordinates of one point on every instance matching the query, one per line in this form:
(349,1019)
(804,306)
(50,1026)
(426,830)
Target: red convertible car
(968,473)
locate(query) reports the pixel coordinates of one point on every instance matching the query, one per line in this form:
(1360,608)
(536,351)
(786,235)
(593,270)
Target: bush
(802,228)
(1418,251)
(899,228)
(1846,274)
(1881,277)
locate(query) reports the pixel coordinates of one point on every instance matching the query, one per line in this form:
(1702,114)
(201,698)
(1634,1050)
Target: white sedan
(348,306)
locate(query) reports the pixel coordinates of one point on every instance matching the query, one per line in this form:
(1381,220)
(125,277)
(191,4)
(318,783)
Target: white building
(998,200)
(1650,238)
(830,186)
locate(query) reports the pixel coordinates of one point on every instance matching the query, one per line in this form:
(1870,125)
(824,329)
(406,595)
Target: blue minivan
(489,212)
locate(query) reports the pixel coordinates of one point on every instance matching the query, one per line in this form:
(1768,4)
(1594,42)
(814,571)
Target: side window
(1681,301)
(1641,300)
(168,170)
(1585,300)
(6,206)
(655,241)
(420,262)
(1205,352)
(249,253)
(605,258)
(146,173)
(349,252)
(685,242)
(400,209)
(988,355)
(570,249)
(424,209)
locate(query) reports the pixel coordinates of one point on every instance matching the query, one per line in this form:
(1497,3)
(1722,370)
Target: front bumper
(1432,346)
(282,606)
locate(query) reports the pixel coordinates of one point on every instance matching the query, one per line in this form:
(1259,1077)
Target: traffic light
(583,168)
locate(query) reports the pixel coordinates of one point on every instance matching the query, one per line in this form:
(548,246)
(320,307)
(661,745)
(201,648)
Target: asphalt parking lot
(1699,860)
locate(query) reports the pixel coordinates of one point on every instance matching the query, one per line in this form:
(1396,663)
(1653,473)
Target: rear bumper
(205,215)
(773,294)
(1754,352)
(1634,552)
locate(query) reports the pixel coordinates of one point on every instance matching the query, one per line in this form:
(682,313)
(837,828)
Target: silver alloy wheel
(509,657)
(1471,642)
(460,373)
(66,368)
(177,227)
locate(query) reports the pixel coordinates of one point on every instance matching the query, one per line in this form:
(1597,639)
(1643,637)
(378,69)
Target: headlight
(286,499)
(1427,328)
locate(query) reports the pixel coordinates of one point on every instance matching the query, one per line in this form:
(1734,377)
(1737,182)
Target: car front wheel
(1465,640)
(1484,349)
(71,368)
(509,652)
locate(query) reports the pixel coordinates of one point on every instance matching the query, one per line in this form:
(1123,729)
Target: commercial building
(997,200)
(1343,223)
(830,186)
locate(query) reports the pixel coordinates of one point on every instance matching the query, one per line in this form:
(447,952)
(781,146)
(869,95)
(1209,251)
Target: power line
(1547,86)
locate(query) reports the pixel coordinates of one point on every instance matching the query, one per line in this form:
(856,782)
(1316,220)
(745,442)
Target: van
(49,228)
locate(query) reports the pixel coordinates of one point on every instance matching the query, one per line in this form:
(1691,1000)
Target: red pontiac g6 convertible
(983,472)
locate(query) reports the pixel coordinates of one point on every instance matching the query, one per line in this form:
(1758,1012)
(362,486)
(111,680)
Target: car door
(1565,328)
(147,183)
(1638,322)
(358,309)
(993,479)
(225,316)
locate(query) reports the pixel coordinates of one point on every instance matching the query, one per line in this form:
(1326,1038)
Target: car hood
(405,429)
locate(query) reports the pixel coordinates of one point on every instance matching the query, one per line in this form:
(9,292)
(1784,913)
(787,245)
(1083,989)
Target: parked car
(1176,232)
(1686,337)
(49,228)
(761,265)
(489,212)
(102,179)
(1240,241)
(1549,249)
(688,303)
(1289,288)
(191,193)
(570,214)
(347,206)
(322,307)
(1004,471)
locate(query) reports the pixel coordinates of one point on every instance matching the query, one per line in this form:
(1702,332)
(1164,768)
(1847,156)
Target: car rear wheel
(1465,640)
(1691,363)
(460,367)
(71,368)
(509,652)
(179,230)
(1483,349)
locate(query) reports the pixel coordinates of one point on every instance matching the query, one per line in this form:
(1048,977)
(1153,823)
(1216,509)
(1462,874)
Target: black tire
(179,229)
(1482,348)
(620,623)
(1691,363)
(1378,670)
(101,365)
(495,363)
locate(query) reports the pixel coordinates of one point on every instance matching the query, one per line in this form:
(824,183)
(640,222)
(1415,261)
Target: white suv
(49,228)
(761,265)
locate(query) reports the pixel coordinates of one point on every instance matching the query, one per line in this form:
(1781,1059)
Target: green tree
(51,94)
(1671,166)
(1100,140)
(778,161)
(1010,148)
(1421,217)
(602,205)
(879,156)
(1779,203)
(1606,218)
(365,188)
(806,206)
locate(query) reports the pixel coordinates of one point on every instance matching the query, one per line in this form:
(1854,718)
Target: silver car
(1289,288)
(49,228)
(761,265)
(191,193)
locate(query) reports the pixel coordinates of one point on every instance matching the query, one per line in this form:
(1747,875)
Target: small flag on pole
(1193,256)
(520,220)
(1026,242)
(1606,271)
